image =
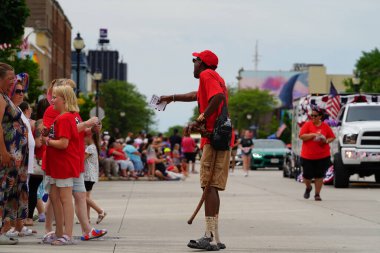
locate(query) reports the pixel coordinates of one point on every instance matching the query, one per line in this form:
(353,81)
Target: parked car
(269,153)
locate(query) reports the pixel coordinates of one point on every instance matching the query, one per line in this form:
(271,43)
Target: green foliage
(195,114)
(30,67)
(86,103)
(287,133)
(13,14)
(255,102)
(367,69)
(170,130)
(119,96)
(268,128)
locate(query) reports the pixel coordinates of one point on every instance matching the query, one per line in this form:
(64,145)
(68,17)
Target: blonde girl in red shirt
(63,145)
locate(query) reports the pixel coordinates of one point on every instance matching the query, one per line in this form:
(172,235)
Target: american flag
(25,44)
(333,103)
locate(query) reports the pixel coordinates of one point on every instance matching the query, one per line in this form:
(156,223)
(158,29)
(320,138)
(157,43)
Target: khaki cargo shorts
(222,164)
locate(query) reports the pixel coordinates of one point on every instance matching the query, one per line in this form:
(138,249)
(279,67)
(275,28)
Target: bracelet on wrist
(173,98)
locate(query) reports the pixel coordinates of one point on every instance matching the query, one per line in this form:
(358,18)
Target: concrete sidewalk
(261,213)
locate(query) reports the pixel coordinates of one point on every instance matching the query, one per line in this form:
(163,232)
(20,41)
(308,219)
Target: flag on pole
(333,103)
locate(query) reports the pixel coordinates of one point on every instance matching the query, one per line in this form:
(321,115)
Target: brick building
(52,38)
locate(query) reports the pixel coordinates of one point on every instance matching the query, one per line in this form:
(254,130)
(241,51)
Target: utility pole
(256,56)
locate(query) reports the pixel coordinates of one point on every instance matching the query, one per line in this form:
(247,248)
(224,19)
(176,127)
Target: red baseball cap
(208,57)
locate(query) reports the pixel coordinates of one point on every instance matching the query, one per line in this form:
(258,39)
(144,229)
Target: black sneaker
(306,195)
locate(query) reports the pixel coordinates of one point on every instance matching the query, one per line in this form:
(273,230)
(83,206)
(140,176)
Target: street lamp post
(78,44)
(97,78)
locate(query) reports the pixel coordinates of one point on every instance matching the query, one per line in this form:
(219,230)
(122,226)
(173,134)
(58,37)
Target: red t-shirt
(312,149)
(49,116)
(210,84)
(64,163)
(48,119)
(188,145)
(117,157)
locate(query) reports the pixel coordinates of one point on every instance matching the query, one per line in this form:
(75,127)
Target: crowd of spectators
(154,157)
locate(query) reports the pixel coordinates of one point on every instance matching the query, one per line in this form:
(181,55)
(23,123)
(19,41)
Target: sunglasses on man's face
(19,91)
(196,60)
(314,115)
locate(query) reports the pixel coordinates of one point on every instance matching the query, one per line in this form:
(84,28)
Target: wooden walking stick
(212,168)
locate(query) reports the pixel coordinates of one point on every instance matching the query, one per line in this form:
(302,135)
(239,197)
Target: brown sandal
(317,197)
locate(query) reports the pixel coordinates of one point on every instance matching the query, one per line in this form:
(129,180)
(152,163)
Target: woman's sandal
(49,238)
(101,217)
(61,241)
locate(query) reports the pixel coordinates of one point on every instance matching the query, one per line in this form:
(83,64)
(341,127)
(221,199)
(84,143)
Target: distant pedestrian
(151,158)
(188,149)
(246,146)
(175,138)
(315,153)
(234,152)
(91,173)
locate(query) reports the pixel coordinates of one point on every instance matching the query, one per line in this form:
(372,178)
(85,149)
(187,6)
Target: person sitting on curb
(135,157)
(121,158)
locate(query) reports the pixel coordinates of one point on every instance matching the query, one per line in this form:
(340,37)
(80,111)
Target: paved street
(261,213)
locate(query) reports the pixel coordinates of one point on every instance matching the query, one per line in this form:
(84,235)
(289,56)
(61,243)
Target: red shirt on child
(49,116)
(117,157)
(64,163)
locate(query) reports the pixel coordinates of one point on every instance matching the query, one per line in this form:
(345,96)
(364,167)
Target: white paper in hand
(155,105)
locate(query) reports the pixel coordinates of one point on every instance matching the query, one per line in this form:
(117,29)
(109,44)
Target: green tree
(286,135)
(125,108)
(13,14)
(253,102)
(86,103)
(367,69)
(195,114)
(268,128)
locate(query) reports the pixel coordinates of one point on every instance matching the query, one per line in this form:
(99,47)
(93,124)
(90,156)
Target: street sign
(101,113)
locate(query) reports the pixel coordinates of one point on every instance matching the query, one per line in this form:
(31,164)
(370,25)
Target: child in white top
(91,174)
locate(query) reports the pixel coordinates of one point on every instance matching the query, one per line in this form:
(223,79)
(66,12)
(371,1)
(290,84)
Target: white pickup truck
(358,143)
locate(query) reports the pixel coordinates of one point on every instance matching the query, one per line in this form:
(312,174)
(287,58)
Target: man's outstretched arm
(187,97)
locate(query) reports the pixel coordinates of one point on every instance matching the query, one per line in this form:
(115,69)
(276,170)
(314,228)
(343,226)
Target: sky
(157,37)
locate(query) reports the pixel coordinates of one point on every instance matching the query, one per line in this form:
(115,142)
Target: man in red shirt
(210,97)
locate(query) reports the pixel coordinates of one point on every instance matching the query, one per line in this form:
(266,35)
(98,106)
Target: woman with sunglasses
(315,153)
